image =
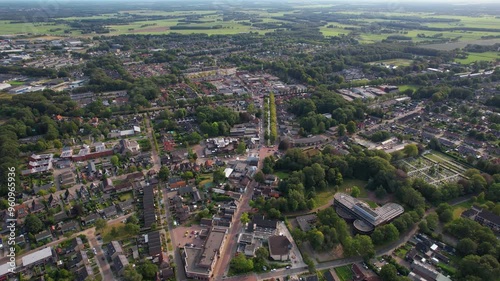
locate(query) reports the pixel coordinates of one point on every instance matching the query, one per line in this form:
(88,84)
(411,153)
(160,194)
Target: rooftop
(37,256)
(375,216)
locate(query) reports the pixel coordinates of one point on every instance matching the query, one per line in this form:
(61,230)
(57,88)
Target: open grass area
(349,183)
(34,28)
(449,270)
(282,175)
(16,83)
(125,196)
(121,232)
(344,272)
(323,197)
(403,88)
(460,208)
(473,57)
(397,62)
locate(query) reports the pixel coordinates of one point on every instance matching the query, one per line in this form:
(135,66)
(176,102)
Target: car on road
(95,251)
(287,267)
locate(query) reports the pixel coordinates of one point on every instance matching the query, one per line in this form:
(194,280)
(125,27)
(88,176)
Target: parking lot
(185,235)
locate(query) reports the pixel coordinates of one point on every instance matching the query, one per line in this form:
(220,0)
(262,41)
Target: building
(262,228)
(306,221)
(148,206)
(484,217)
(314,140)
(200,262)
(39,163)
(279,248)
(119,263)
(131,147)
(365,218)
(154,246)
(425,271)
(114,249)
(39,257)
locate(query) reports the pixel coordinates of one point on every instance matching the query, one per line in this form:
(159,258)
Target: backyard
(344,272)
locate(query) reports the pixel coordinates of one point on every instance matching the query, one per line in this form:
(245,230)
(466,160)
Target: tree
(164,173)
(262,253)
(244,218)
(241,147)
(114,160)
(259,177)
(388,273)
(432,220)
(355,192)
(411,150)
(33,224)
(240,264)
(316,238)
(57,144)
(131,274)
(351,127)
(148,270)
(466,247)
(446,216)
(284,145)
(219,176)
(341,129)
(100,224)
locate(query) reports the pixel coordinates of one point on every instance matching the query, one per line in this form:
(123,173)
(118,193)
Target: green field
(282,175)
(403,88)
(344,273)
(397,62)
(31,28)
(458,209)
(486,56)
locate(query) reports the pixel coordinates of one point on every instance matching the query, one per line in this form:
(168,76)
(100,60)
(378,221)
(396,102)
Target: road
(100,258)
(154,153)
(229,250)
(179,268)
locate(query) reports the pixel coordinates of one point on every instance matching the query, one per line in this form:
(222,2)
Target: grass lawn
(458,209)
(349,183)
(486,56)
(121,233)
(371,203)
(406,87)
(344,272)
(397,62)
(324,197)
(16,83)
(282,175)
(447,268)
(125,196)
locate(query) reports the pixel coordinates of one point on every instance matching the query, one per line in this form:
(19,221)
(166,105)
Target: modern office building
(365,218)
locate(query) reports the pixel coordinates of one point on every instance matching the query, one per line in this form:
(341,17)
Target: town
(281,153)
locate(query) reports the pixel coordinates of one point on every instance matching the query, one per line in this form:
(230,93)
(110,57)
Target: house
(90,219)
(127,146)
(68,226)
(37,207)
(84,272)
(271,180)
(262,228)
(126,206)
(46,234)
(110,211)
(279,247)
(148,206)
(114,249)
(358,274)
(119,263)
(154,246)
(329,275)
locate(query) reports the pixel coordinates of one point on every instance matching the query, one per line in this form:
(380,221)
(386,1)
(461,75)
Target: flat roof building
(37,257)
(200,262)
(366,217)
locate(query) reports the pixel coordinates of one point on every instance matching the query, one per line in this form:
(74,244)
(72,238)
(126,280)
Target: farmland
(486,56)
(437,31)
